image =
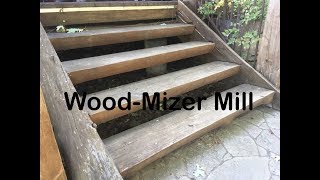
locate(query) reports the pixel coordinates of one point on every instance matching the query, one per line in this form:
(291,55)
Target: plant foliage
(250,11)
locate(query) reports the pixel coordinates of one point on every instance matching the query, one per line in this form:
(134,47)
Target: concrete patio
(247,149)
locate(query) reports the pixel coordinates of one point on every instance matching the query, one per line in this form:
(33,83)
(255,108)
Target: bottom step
(137,147)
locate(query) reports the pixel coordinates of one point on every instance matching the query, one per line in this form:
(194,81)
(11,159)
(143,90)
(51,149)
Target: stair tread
(143,144)
(113,35)
(173,84)
(85,69)
(93,62)
(93,15)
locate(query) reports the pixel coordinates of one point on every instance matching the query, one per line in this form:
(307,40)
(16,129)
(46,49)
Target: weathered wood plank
(96,9)
(106,3)
(173,84)
(114,35)
(81,70)
(136,147)
(51,166)
(80,145)
(268,61)
(248,74)
(88,15)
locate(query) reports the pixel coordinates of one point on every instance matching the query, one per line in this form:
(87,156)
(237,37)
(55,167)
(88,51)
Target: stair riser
(174,146)
(105,116)
(94,39)
(127,66)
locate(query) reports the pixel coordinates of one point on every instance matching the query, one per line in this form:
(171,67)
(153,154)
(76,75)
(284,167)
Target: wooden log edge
(81,147)
(51,166)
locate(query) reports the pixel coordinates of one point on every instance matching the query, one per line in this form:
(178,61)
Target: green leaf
(60,29)
(225,34)
(74,30)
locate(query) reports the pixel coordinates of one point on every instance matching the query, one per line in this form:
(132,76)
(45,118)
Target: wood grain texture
(136,147)
(80,145)
(106,3)
(81,70)
(173,84)
(268,61)
(114,35)
(69,16)
(225,53)
(51,166)
(96,9)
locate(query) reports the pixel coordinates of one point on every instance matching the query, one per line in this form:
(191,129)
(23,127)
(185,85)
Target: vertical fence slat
(224,15)
(248,51)
(259,33)
(231,12)
(237,23)
(238,14)
(231,20)
(240,50)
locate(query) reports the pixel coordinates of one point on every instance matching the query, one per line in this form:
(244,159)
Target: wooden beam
(114,35)
(51,166)
(139,146)
(268,60)
(106,3)
(95,9)
(84,153)
(87,15)
(248,74)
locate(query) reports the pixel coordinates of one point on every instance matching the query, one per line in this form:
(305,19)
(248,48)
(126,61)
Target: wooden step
(81,70)
(136,147)
(88,15)
(173,84)
(105,4)
(114,35)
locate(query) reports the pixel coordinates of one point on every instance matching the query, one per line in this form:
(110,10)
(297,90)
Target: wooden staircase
(135,148)
(86,69)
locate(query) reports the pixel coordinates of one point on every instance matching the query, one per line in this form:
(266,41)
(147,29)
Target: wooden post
(158,69)
(268,60)
(83,151)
